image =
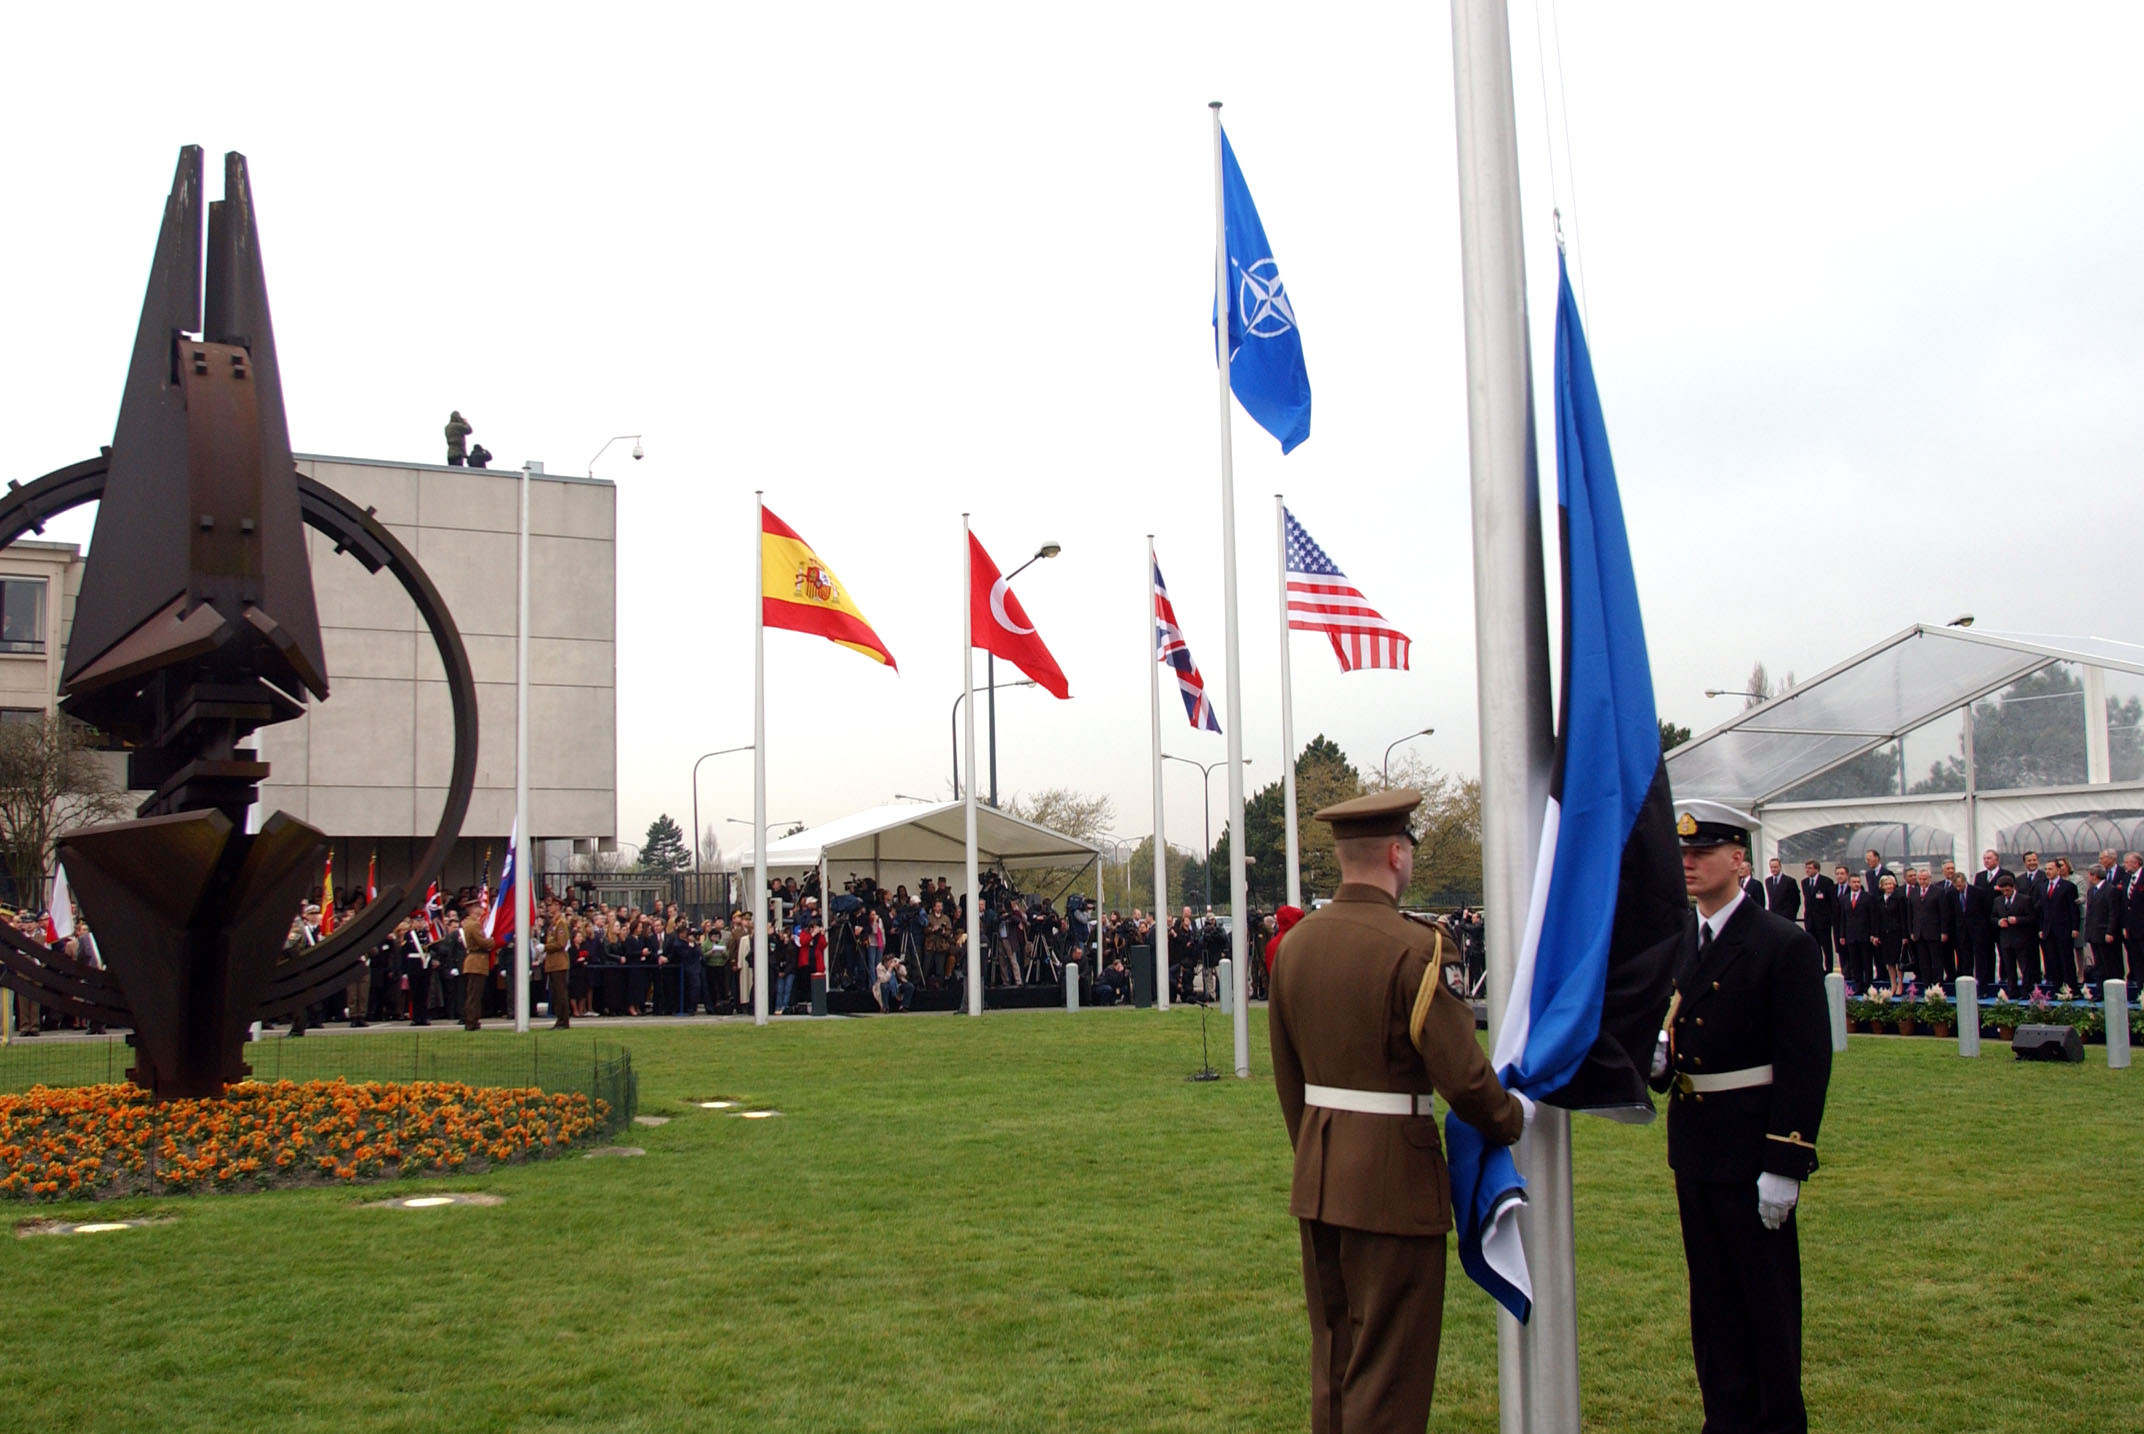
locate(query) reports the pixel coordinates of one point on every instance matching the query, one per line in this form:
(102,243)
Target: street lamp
(1730,692)
(905,797)
(990,668)
(638,451)
(955,724)
(1205,781)
(697,893)
(1386,766)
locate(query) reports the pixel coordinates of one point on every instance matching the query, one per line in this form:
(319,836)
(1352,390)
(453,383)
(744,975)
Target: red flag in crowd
(327,898)
(1000,624)
(372,879)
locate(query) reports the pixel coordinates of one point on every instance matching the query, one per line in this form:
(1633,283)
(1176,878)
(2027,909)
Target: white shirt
(1718,919)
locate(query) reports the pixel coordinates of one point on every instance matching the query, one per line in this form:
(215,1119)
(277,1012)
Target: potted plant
(1938,1012)
(1905,1014)
(2005,1015)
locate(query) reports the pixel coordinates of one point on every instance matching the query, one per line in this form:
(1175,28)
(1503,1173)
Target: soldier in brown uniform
(557,964)
(1364,1028)
(475,967)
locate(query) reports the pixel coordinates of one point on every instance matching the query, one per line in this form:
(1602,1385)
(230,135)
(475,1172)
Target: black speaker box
(1141,960)
(2047,1043)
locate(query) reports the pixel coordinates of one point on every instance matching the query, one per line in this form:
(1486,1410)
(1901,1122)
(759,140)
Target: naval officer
(1747,1053)
(1364,1028)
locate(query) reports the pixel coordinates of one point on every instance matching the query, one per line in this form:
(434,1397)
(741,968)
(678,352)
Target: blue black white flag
(1608,909)
(1265,350)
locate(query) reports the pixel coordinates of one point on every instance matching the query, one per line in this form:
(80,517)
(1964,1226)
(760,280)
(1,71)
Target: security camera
(638,451)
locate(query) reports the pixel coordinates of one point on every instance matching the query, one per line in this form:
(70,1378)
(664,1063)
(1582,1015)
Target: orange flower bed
(93,1142)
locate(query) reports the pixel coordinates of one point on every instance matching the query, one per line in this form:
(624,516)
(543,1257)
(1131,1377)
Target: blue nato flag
(1604,927)
(1265,349)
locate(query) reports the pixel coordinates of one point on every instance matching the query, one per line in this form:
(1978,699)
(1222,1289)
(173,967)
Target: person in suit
(1751,887)
(1935,931)
(1857,935)
(1820,908)
(2102,927)
(1915,891)
(1364,1027)
(1888,925)
(2132,904)
(2017,934)
(1872,869)
(1747,1052)
(1782,894)
(2058,926)
(1979,927)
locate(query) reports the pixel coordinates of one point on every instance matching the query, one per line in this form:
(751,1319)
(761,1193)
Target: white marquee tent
(1883,695)
(904,842)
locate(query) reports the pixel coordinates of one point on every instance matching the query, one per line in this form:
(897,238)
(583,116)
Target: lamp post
(955,723)
(1206,784)
(697,893)
(1730,692)
(1386,766)
(990,668)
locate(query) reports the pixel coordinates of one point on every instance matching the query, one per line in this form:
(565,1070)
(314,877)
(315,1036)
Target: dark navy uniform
(1748,1060)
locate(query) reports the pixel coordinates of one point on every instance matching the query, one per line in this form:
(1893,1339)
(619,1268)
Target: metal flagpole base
(1835,1004)
(1968,993)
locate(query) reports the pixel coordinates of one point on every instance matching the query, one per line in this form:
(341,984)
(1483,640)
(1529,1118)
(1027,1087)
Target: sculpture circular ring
(25,508)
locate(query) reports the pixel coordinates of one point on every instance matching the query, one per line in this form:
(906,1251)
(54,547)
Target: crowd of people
(2015,933)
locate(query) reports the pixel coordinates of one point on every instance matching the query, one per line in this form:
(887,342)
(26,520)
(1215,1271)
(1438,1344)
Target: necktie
(1704,936)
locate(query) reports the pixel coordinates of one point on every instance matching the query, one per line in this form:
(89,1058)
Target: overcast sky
(1861,290)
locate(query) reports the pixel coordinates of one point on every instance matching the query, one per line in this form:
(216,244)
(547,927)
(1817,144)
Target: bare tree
(1062,809)
(52,780)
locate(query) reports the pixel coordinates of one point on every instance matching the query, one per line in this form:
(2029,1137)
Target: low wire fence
(551,1062)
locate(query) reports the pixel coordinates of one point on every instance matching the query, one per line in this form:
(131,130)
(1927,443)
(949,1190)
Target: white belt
(1371,1102)
(1725,1080)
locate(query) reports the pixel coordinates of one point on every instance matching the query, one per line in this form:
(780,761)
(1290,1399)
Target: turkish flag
(1000,624)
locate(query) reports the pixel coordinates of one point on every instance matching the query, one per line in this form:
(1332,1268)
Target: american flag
(1321,599)
(1170,647)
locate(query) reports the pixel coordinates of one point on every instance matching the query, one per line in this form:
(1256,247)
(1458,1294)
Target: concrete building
(370,765)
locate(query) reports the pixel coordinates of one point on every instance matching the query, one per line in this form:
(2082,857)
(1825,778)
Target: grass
(1031,1222)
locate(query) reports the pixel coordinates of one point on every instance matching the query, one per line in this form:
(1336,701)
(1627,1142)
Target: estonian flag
(1608,909)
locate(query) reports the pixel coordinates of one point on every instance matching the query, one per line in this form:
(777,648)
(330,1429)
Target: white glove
(1660,1056)
(1776,1195)
(1526,1105)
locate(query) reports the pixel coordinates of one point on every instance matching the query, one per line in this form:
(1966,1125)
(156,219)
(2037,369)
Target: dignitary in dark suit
(1976,924)
(1747,1053)
(1751,887)
(1888,923)
(1857,934)
(2059,923)
(2102,926)
(1820,911)
(2132,886)
(1364,1027)
(2017,934)
(1782,894)
(1935,931)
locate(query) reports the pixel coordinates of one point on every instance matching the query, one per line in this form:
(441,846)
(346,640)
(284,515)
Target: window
(22,714)
(22,614)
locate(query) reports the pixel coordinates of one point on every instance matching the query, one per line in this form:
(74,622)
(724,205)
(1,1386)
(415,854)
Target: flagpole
(967,685)
(522,921)
(1537,1363)
(759,759)
(1238,893)
(1287,707)
(1161,845)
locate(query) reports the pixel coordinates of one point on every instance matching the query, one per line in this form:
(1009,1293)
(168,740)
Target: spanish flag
(801,593)
(327,898)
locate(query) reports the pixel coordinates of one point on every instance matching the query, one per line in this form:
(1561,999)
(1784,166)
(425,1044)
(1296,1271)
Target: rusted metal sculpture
(194,628)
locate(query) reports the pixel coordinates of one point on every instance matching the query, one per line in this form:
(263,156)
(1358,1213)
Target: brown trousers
(473,999)
(1376,1316)
(561,1003)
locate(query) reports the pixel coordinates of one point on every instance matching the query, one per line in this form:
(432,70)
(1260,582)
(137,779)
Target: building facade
(370,765)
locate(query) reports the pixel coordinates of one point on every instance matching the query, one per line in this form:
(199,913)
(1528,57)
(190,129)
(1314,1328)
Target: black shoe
(354,1023)
(562,1025)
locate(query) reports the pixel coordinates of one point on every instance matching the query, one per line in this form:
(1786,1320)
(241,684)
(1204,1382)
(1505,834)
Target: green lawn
(1032,1221)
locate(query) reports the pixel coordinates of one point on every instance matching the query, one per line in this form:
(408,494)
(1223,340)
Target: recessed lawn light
(426,1202)
(759,1114)
(100,1227)
(717,1104)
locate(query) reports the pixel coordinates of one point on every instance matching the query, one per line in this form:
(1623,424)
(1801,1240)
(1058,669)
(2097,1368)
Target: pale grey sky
(1859,284)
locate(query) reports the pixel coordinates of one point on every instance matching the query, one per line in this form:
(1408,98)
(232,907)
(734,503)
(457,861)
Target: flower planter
(1905,1027)
(1942,1029)
(2004,1033)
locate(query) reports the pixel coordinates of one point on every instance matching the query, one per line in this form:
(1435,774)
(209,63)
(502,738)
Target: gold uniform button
(1697,1060)
(1700,1099)
(1715,985)
(1701,1020)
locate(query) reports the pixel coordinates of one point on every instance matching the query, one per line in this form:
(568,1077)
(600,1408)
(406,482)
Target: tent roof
(905,831)
(1878,696)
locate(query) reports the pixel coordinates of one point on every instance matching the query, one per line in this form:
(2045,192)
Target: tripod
(1205,1071)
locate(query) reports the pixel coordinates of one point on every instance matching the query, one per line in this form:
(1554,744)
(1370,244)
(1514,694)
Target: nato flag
(1608,908)
(1265,350)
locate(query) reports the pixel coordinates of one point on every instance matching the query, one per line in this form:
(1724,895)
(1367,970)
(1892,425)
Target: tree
(1137,892)
(1061,809)
(52,780)
(1323,775)
(2031,734)
(710,850)
(1672,735)
(1447,854)
(664,847)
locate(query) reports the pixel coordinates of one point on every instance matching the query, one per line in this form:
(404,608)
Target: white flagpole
(759,758)
(522,920)
(1287,707)
(1537,1364)
(1238,888)
(1161,845)
(967,685)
